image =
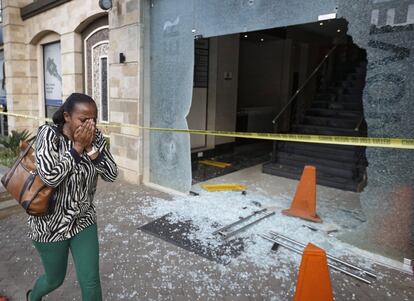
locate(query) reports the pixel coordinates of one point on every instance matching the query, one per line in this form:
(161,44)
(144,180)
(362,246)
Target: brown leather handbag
(23,182)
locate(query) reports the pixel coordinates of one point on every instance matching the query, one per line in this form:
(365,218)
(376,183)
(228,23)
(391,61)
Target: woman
(70,154)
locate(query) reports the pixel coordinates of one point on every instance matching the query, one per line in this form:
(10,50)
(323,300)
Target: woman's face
(81,112)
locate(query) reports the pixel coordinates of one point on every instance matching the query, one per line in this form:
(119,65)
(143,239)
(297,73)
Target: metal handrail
(360,120)
(304,84)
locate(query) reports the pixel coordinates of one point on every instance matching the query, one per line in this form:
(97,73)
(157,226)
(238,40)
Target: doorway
(242,81)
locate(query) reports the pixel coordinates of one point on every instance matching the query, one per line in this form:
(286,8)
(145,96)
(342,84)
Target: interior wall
(227,83)
(197,117)
(261,66)
(215,108)
(203,109)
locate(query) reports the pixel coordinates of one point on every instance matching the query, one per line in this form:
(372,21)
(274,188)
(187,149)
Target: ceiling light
(338,30)
(262,40)
(321,23)
(245,35)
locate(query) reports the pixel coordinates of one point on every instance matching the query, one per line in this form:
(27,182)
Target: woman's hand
(84,135)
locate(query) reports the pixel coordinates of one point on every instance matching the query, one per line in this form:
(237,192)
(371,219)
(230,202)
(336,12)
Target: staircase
(336,111)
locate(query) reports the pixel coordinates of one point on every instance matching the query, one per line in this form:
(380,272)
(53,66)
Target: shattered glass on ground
(138,266)
(180,233)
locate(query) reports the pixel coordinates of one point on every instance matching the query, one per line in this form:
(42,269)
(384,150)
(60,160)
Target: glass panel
(52,77)
(2,80)
(218,17)
(172,51)
(104,88)
(388,199)
(50,110)
(3,103)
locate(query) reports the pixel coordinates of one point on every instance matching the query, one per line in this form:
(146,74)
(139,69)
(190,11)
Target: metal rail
(329,264)
(358,125)
(230,234)
(238,222)
(333,258)
(304,85)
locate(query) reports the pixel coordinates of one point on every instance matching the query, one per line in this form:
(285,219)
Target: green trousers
(54,255)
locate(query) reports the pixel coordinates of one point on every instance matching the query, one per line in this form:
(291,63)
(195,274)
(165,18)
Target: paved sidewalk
(138,266)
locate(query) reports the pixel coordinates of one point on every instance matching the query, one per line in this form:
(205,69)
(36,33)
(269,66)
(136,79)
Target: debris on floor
(223,187)
(179,233)
(210,211)
(215,163)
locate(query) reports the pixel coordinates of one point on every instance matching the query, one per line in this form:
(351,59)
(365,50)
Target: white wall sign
(52,74)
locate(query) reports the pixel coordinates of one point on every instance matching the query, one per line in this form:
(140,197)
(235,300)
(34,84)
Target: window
(52,78)
(104,87)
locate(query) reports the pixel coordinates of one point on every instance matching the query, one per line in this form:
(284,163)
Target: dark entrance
(243,81)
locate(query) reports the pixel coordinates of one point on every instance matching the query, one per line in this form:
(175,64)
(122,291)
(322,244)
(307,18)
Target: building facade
(54,48)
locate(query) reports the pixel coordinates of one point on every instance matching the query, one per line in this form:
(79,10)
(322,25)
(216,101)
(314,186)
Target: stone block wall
(17,64)
(24,78)
(124,86)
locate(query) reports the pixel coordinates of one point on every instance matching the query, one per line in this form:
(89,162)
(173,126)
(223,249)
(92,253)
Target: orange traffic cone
(304,202)
(314,283)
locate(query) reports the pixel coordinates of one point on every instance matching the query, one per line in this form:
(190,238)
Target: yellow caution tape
(322,139)
(223,187)
(215,163)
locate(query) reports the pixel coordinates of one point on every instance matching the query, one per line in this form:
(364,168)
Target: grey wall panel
(218,17)
(172,63)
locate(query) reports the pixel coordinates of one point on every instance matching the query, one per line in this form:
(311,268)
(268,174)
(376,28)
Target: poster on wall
(52,77)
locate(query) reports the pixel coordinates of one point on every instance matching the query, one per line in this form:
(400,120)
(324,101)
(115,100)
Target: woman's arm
(52,169)
(104,162)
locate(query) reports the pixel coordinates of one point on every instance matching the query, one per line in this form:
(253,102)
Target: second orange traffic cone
(314,282)
(304,202)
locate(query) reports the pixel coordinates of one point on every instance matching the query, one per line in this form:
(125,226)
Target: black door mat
(179,234)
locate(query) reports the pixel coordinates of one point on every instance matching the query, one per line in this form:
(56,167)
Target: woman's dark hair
(68,106)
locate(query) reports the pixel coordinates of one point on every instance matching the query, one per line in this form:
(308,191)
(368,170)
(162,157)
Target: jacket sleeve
(104,163)
(52,169)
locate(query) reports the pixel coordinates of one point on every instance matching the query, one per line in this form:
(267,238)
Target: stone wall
(124,85)
(19,84)
(24,83)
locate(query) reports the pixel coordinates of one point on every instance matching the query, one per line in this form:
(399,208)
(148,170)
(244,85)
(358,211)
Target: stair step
(346,123)
(343,90)
(353,90)
(339,150)
(325,130)
(335,111)
(321,178)
(326,96)
(356,82)
(320,104)
(350,98)
(335,168)
(332,112)
(344,156)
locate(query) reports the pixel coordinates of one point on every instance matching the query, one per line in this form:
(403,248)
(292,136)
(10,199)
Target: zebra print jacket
(75,177)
